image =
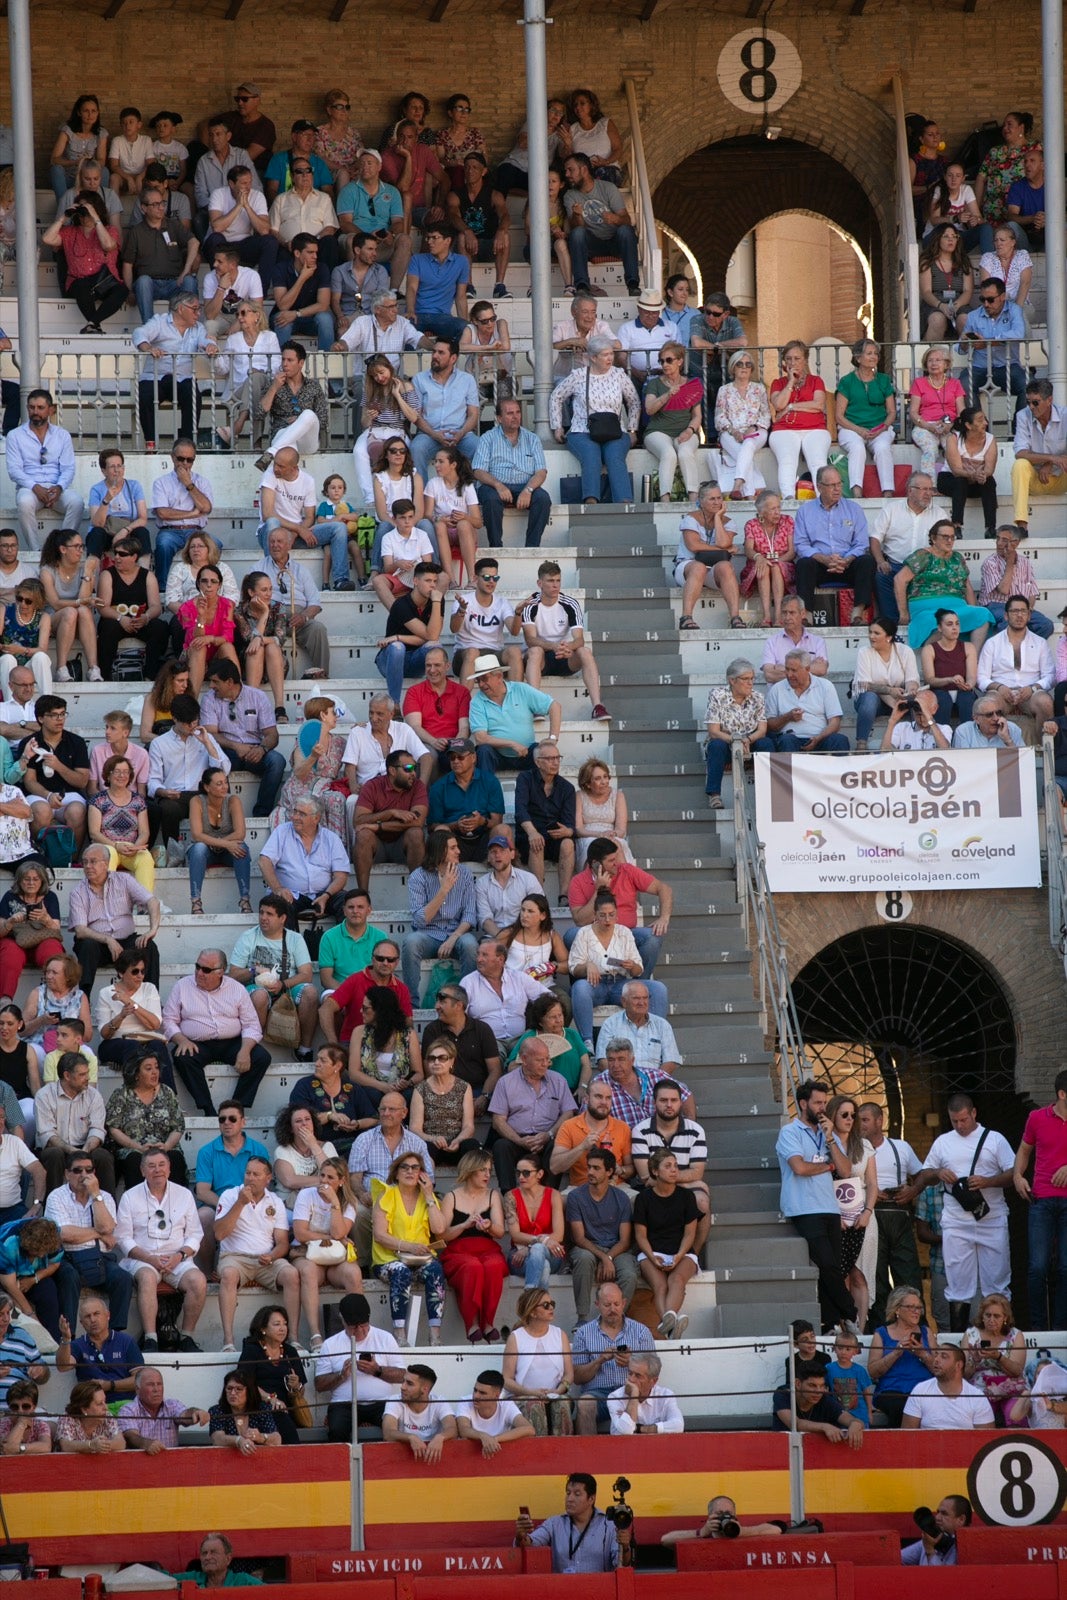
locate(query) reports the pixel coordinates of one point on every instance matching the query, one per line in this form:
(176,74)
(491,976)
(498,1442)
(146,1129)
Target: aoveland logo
(973,849)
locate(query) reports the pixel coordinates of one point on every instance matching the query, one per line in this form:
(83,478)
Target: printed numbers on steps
(1016,1482)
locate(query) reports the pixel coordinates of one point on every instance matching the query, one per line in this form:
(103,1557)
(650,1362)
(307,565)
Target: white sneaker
(63,675)
(229,1350)
(95,675)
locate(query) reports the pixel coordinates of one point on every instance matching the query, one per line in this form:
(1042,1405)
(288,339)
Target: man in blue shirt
(808,1199)
(992,332)
(468,800)
(101,1352)
(448,407)
(40,463)
(1026,199)
(989,729)
(509,469)
(220,1165)
(438,277)
(172,342)
(279,174)
(582,1540)
(376,209)
(833,545)
(502,717)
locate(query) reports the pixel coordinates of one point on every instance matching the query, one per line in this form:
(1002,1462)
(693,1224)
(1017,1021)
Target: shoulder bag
(601,426)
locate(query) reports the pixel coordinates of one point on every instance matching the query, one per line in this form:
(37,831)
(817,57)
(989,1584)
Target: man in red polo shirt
(390,817)
(438,709)
(341,1012)
(606,869)
(1046,1134)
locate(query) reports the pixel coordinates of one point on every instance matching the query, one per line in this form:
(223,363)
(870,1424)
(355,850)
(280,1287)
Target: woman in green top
(930,577)
(866,405)
(566,1047)
(672,432)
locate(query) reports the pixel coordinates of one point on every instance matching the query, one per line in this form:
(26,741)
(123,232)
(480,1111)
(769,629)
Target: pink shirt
(135,754)
(1047,1134)
(936,404)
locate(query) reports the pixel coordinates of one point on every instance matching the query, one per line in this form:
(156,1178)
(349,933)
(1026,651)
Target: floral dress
(739,719)
(454,145)
(766,544)
(145,1124)
(1002,167)
(321,784)
(338,150)
(25,634)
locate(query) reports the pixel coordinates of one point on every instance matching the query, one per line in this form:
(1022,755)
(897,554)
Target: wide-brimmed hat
(483,665)
(648,300)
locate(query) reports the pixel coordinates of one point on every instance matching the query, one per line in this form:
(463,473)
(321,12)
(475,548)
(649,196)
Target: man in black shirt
(545,818)
(478,1053)
(415,623)
(817,1411)
(56,764)
(479,214)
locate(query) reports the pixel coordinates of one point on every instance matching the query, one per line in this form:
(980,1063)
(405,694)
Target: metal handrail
(647,238)
(1055,843)
(762,933)
(907,244)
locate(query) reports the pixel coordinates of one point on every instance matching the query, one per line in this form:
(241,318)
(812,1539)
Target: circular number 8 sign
(1016,1481)
(759,70)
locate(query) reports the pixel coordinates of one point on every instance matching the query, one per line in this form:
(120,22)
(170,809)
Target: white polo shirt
(253,1234)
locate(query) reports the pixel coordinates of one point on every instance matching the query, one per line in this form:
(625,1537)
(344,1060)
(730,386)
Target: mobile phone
(524,1511)
(623,1349)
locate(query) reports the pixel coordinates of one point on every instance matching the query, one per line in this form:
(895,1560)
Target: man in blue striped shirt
(509,469)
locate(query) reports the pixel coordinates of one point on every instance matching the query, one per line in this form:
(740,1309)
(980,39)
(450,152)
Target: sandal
(197,908)
(738,622)
(244,906)
(687,625)
(715,802)
(280,714)
(314,672)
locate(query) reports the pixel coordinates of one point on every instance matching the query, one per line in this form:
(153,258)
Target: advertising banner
(918,820)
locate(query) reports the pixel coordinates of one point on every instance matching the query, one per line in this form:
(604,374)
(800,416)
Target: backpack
(57,845)
(977,145)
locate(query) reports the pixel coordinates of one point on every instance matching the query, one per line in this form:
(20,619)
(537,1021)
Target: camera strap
(574,1545)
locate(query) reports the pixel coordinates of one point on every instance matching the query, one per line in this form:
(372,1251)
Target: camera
(725,1526)
(621,1514)
(928,1525)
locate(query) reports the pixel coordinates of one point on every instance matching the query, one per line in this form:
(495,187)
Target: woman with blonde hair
(742,422)
(798,418)
(600,810)
(936,400)
(673,403)
(537,1365)
(249,361)
(473,1261)
(199,550)
(323,1219)
(388,408)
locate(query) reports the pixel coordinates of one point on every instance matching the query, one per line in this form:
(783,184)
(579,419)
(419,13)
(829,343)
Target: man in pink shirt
(606,869)
(1045,1137)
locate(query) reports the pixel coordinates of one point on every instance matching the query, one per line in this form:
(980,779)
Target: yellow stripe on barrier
(860,1491)
(192,1506)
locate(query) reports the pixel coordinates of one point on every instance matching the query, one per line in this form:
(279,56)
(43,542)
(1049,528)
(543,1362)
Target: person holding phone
(809,1159)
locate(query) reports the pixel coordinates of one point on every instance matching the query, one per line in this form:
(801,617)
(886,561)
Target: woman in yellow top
(406,1218)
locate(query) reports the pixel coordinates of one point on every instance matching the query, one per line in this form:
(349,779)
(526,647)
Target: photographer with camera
(913,724)
(583,1539)
(90,244)
(937,1547)
(721,1523)
(642,1404)
(975,1165)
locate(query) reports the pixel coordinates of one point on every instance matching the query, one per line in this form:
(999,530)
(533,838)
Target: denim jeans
(648,948)
(792,743)
(396,662)
(440,323)
(199,857)
(415,946)
(622,243)
(592,457)
(335,534)
(885,599)
(717,757)
(493,514)
(869,707)
(146,290)
(585,995)
(1046,1283)
(320,324)
(271,774)
(423,450)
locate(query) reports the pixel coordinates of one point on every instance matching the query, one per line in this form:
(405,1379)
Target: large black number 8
(1017,1499)
(758,69)
(894,905)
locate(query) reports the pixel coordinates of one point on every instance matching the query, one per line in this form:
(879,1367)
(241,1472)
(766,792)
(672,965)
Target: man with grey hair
(294,590)
(528,1106)
(381,330)
(1005,573)
(209,1017)
(306,863)
(569,336)
(498,994)
(171,342)
(794,636)
(633,1090)
(545,817)
(642,1404)
(803,712)
(150,1421)
(160,1234)
(833,545)
(1040,449)
(651,1037)
(900,527)
(989,730)
(159,254)
(101,917)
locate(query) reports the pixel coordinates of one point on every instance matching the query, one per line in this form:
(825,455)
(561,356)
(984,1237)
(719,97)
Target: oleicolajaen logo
(928,840)
(814,838)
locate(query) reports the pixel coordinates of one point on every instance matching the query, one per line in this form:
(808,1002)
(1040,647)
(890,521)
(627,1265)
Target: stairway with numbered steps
(762,1275)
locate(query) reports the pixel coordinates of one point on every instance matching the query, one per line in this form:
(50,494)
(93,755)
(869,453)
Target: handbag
(972,1200)
(601,426)
(283,1021)
(299,1409)
(327,1252)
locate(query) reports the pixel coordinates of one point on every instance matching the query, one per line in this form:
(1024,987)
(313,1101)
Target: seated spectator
(457,138)
(553,628)
(642,340)
(602,956)
(946,289)
(601,811)
(770,565)
(947,1400)
(602,1351)
(150,1422)
(339,1106)
(251,359)
(1017,667)
(1040,450)
(24,632)
(474,1226)
(971,464)
(379,330)
(305,213)
(606,869)
(20,1078)
(994,331)
(437,710)
(80,137)
(951,199)
(384,1051)
(241,1418)
(291,584)
(177,208)
(411,165)
(933,576)
(481,620)
(642,1404)
(1006,573)
(217,838)
(159,256)
(13,569)
(949,665)
(488,1420)
(990,729)
(118,822)
(545,812)
(534,947)
(452,507)
(367,205)
(833,546)
(56,998)
(130,610)
(323,1220)
(469,801)
(417,1418)
(886,672)
(207,625)
(296,406)
(90,244)
(509,467)
(899,528)
(995,1352)
(241,226)
(334,1375)
(87,1428)
(21,1358)
(594,133)
(389,818)
(443,910)
(413,626)
(667,1128)
(527,1106)
(318,754)
(231,708)
(595,435)
(899,1356)
(404,546)
(812,1409)
(571,336)
(599,222)
(807,704)
(70,1116)
(272,960)
(171,341)
(1026,199)
(742,420)
(866,415)
(301,291)
(88,173)
(566,1048)
(35,1281)
(849,1381)
(85,1217)
(912,725)
(278,176)
(22,1431)
(702,559)
(599,1215)
(371,1157)
(1007,259)
(298,1150)
(31,927)
(337,142)
(934,404)
(537,1365)
(253,1239)
(100,1351)
(388,412)
(305,863)
(798,418)
(666,1219)
(486,350)
(144,1115)
(181,505)
(178,759)
(159,1232)
(348,947)
(442,1108)
(70,1035)
(477,1051)
(793,636)
(736,714)
(478,214)
(407,1217)
(209,1017)
(448,406)
(370,742)
(68,579)
(498,992)
(40,463)
(129,153)
(398,489)
(502,717)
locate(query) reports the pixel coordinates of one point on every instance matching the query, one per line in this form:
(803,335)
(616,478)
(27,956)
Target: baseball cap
(461,747)
(502,839)
(302,125)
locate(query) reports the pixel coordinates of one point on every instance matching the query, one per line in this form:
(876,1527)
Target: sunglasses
(299,171)
(389,961)
(24,1407)
(184,461)
(989,299)
(160,1218)
(410,1166)
(439,1056)
(547,1305)
(229,1116)
(200,967)
(339,105)
(243,99)
(489,577)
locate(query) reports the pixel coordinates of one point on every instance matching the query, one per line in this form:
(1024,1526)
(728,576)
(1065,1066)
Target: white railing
(651,256)
(1055,843)
(907,244)
(778,1010)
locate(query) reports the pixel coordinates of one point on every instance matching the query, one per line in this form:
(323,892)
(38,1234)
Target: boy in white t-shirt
(417,1418)
(403,547)
(553,626)
(129,153)
(480,621)
(489,1420)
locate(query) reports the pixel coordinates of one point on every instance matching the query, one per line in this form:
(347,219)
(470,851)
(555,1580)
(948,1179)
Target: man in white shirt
(975,1247)
(480,621)
(895,1164)
(488,1419)
(417,1418)
(1040,449)
(553,626)
(17,712)
(287,501)
(381,330)
(226,284)
(499,893)
(498,995)
(364,756)
(376,1378)
(642,1404)
(181,502)
(253,1239)
(642,338)
(177,761)
(17,1158)
(900,527)
(1017,666)
(40,463)
(913,724)
(570,336)
(85,1216)
(159,1231)
(946,1401)
(238,213)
